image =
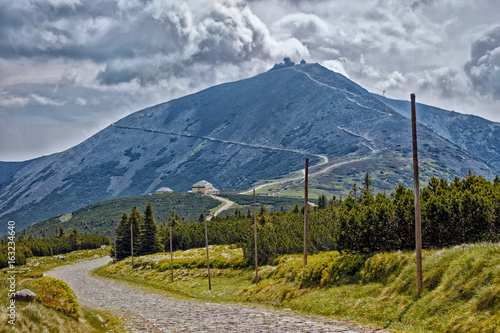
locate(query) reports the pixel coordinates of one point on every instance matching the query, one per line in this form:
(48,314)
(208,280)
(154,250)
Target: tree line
(140,230)
(462,211)
(60,243)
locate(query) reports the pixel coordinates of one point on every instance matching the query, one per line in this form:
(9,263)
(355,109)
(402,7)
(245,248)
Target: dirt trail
(141,311)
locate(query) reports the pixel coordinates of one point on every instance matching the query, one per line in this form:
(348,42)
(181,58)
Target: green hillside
(102,217)
(272,203)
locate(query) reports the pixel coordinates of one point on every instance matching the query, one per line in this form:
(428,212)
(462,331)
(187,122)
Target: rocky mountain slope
(238,133)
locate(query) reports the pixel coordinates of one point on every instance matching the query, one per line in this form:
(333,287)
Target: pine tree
(73,239)
(149,239)
(321,202)
(122,233)
(174,219)
(262,215)
(354,192)
(136,219)
(367,184)
(201,218)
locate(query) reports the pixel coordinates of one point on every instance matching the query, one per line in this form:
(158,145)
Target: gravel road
(141,311)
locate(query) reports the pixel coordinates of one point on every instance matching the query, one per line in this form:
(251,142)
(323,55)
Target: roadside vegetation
(461,284)
(28,246)
(56,309)
(360,267)
(461,212)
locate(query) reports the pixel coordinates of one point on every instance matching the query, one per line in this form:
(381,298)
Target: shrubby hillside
(463,211)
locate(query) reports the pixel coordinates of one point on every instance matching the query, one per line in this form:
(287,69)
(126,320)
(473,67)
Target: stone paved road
(141,311)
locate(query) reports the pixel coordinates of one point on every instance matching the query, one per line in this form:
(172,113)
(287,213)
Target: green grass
(190,273)
(54,294)
(461,285)
(56,309)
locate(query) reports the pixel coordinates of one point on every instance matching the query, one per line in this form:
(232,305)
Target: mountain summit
(238,133)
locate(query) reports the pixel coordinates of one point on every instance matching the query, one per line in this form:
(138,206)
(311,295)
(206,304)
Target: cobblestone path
(141,311)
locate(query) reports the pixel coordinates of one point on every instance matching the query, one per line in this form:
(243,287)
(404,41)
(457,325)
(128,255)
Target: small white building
(163,190)
(204,187)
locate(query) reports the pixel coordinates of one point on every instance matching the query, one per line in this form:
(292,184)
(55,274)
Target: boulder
(24,295)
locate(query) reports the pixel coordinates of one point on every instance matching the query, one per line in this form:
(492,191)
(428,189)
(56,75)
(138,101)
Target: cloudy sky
(68,68)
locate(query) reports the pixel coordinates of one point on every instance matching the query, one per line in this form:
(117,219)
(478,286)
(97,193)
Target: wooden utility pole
(418,219)
(132,243)
(115,244)
(306,206)
(208,258)
(171,256)
(255,239)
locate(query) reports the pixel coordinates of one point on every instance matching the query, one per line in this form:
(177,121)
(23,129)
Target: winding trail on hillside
(227,204)
(314,173)
(244,144)
(141,311)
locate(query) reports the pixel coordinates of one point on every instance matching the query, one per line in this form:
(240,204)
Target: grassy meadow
(461,285)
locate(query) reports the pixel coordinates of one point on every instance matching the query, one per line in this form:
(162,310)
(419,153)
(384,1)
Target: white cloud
(31,99)
(336,66)
(483,69)
(80,101)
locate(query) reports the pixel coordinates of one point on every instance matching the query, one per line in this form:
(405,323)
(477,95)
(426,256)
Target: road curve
(227,205)
(140,311)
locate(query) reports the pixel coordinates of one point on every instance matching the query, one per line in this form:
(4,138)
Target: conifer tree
(367,184)
(174,219)
(354,192)
(321,202)
(149,239)
(262,215)
(201,218)
(122,233)
(73,239)
(136,219)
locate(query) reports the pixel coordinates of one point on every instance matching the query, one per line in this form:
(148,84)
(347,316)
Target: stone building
(204,187)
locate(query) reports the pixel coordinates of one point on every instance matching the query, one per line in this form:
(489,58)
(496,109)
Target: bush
(55,294)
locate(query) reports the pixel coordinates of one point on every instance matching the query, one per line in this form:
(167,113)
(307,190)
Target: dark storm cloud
(139,39)
(226,34)
(483,69)
(93,30)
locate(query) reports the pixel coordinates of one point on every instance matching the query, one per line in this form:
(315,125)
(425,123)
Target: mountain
(471,133)
(236,134)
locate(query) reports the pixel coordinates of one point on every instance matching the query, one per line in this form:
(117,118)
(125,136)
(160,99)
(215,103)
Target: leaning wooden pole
(132,243)
(418,219)
(306,206)
(255,239)
(115,244)
(171,256)
(208,258)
